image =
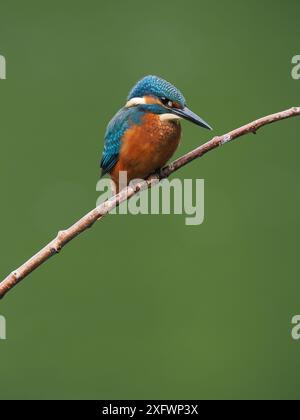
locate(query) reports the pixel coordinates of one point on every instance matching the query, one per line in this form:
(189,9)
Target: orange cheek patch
(150,100)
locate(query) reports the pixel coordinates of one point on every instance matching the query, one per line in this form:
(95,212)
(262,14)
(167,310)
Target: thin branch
(99,212)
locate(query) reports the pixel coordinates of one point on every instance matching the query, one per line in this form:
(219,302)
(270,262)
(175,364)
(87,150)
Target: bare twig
(99,212)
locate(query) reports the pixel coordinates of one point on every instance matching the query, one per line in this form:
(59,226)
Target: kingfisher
(145,133)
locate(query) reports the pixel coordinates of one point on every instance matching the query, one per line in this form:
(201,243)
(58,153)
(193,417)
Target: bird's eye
(167,102)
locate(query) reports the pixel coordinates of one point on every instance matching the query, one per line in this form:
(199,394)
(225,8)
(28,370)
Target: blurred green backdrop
(144,306)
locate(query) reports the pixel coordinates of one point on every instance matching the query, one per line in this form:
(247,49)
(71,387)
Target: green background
(144,306)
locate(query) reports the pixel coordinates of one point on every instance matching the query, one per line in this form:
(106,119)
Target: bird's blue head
(157,87)
(152,90)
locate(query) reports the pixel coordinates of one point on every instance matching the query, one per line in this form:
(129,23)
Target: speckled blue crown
(155,86)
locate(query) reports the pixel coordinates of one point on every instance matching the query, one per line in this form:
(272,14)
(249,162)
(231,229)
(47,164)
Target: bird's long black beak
(189,115)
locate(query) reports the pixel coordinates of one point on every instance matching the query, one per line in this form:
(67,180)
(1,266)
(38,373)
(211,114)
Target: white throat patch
(169,117)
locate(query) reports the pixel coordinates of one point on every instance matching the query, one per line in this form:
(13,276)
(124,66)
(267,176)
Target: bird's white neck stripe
(135,101)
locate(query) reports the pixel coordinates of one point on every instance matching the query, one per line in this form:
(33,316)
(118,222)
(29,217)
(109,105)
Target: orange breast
(147,147)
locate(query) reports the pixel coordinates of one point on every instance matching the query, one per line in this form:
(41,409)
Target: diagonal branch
(99,212)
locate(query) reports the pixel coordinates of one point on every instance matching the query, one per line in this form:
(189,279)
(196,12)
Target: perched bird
(145,133)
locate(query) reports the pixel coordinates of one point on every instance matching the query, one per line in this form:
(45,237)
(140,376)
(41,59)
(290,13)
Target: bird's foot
(161,173)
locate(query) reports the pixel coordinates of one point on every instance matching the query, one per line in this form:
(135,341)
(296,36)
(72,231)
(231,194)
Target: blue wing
(113,136)
(112,140)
